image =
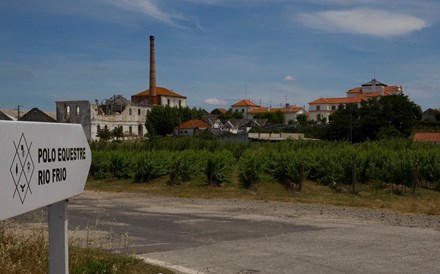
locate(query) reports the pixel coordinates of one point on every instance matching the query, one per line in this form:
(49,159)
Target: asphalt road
(203,236)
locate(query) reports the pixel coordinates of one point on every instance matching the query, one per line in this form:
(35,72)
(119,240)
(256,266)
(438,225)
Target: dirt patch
(258,209)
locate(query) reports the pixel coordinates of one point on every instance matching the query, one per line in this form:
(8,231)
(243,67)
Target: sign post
(43,164)
(58,238)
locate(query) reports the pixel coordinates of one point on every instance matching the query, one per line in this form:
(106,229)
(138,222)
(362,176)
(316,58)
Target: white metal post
(58,240)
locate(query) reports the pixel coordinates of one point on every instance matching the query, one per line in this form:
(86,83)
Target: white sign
(40,164)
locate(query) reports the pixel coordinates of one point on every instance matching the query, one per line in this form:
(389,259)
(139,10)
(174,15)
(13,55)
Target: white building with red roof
(244,106)
(164,97)
(320,109)
(191,127)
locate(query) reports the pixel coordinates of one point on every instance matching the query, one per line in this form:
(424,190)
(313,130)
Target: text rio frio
(57,155)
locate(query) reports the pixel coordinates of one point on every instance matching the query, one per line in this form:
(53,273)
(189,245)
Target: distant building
(289,112)
(118,111)
(244,106)
(191,128)
(320,109)
(113,112)
(36,115)
(157,95)
(164,97)
(429,114)
(4,117)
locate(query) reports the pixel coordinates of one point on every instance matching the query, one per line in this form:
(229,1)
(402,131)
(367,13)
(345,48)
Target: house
(164,97)
(238,126)
(320,109)
(429,114)
(289,112)
(244,106)
(427,137)
(36,115)
(4,117)
(191,128)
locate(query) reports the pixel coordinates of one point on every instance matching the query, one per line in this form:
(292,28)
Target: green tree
(386,117)
(301,119)
(162,120)
(344,123)
(117,132)
(237,115)
(104,134)
(400,112)
(230,115)
(275,117)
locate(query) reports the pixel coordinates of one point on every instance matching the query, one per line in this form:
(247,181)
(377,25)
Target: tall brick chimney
(153,95)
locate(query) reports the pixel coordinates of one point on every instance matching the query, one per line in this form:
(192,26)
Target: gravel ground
(286,211)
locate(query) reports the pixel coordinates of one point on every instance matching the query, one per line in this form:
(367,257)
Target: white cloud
(363,21)
(149,8)
(214,102)
(289,78)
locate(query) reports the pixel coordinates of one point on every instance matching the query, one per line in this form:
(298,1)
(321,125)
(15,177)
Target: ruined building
(117,111)
(111,113)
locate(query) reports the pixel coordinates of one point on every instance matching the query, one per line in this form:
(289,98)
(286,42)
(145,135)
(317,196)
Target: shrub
(187,165)
(251,167)
(152,165)
(219,167)
(100,167)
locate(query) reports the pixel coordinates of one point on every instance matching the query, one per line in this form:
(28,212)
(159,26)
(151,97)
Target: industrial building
(117,111)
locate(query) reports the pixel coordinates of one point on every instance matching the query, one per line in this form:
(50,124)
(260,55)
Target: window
(66,117)
(98,128)
(242,110)
(129,111)
(77,110)
(130,129)
(318,117)
(180,103)
(168,101)
(139,111)
(318,107)
(333,107)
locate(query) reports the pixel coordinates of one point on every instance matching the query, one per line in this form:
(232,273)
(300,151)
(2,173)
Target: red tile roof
(245,103)
(426,137)
(193,124)
(347,100)
(387,89)
(160,91)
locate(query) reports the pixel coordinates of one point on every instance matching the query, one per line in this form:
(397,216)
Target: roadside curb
(178,268)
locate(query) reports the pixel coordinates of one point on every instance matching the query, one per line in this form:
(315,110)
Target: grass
(25,251)
(423,202)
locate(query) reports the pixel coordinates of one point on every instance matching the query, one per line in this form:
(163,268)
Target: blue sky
(216,52)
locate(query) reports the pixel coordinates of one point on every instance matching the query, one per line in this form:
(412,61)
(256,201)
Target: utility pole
(18,111)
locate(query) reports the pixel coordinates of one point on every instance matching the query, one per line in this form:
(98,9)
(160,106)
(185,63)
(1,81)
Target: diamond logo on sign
(22,168)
